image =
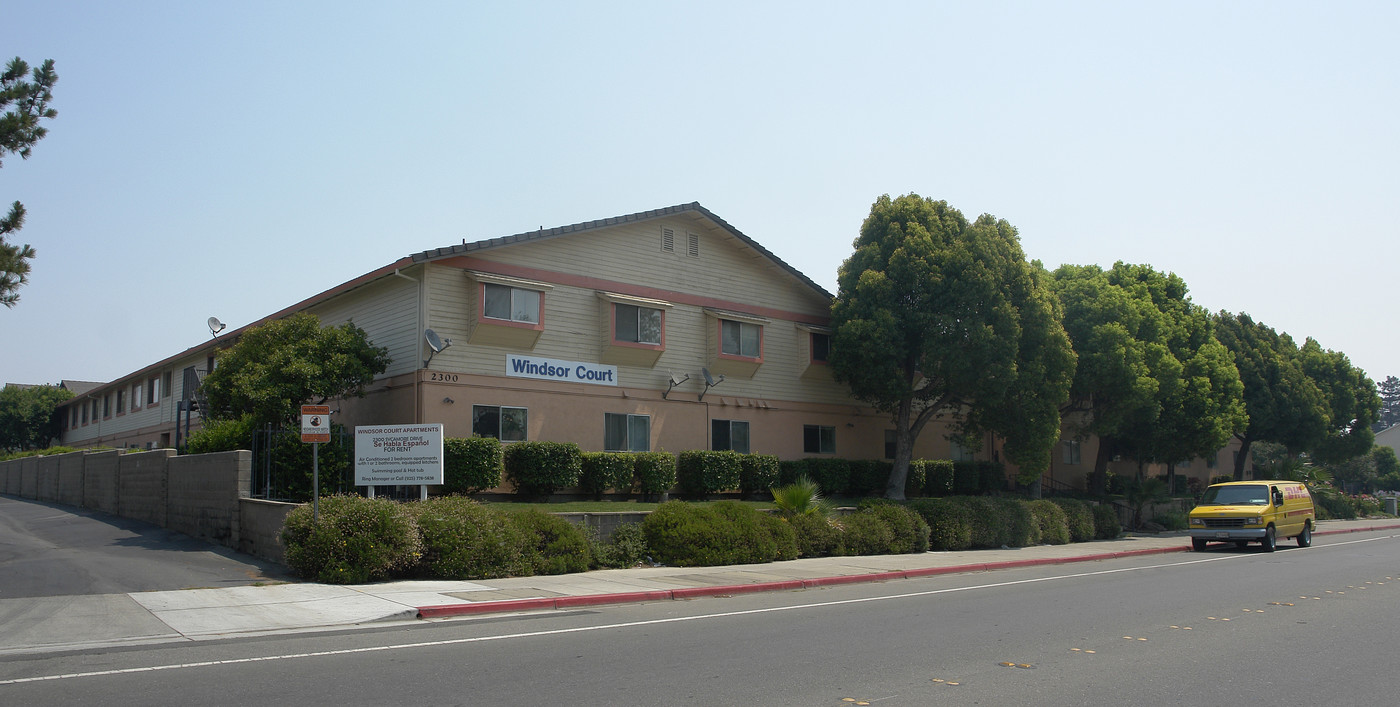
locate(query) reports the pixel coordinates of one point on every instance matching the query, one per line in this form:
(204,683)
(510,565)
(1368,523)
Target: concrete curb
(569,602)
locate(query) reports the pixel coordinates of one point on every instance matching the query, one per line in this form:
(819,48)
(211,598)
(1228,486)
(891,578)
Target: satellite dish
(676,379)
(709,379)
(216,326)
(434,342)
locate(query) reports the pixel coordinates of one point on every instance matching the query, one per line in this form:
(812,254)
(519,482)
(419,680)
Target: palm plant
(802,497)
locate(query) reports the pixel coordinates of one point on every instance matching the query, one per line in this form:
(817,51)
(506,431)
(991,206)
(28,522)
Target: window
(85,412)
(626,433)
(818,439)
(729,435)
(96,410)
(504,423)
(740,338)
(960,453)
(1212,460)
(637,325)
(107,405)
(1069,451)
(165,385)
(891,444)
(153,391)
(821,347)
(1183,465)
(510,303)
(121,401)
(136,397)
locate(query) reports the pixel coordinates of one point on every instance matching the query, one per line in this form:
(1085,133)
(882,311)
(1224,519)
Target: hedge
(700,473)
(538,469)
(600,471)
(471,465)
(757,473)
(1052,522)
(463,539)
(356,540)
(655,472)
(1079,516)
(722,533)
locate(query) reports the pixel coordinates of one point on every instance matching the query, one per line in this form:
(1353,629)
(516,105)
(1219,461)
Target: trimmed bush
(966,479)
(223,436)
(832,475)
(991,477)
(784,536)
(988,529)
(1171,520)
(357,540)
(626,547)
(938,477)
(869,477)
(724,533)
(950,522)
(552,545)
(817,536)
(757,473)
(790,470)
(700,473)
(866,534)
(917,480)
(1080,517)
(471,465)
(600,471)
(908,530)
(1021,528)
(538,469)
(463,539)
(1106,525)
(1054,525)
(655,472)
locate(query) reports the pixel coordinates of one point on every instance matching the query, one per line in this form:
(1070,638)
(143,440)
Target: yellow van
(1253,511)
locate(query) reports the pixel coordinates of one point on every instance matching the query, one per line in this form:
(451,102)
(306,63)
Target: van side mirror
(1278,497)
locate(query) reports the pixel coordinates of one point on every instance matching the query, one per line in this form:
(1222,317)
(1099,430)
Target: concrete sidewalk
(80,622)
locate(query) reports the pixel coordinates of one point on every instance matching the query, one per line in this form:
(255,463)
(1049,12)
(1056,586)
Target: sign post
(315,428)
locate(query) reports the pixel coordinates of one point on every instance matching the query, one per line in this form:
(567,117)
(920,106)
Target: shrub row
(964,522)
(869,477)
(728,533)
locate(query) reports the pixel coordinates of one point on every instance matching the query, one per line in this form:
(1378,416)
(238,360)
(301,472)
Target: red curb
(693,592)
(1012,564)
(931,571)
(853,579)
(485,607)
(618,598)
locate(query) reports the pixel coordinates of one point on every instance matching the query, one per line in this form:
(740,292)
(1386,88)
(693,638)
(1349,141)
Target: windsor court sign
(398,455)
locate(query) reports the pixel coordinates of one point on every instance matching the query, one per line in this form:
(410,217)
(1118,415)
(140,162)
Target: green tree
(1152,383)
(25,97)
(1352,402)
(274,369)
(1285,406)
(28,416)
(939,317)
(1390,404)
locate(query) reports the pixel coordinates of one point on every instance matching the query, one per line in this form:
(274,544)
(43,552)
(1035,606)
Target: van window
(1248,495)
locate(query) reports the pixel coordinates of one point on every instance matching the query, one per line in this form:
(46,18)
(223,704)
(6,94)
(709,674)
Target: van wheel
(1305,537)
(1198,544)
(1270,541)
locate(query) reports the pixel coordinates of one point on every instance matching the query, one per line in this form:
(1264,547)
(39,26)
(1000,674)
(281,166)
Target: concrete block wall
(46,476)
(100,490)
(260,528)
(141,486)
(203,492)
(29,477)
(10,478)
(70,479)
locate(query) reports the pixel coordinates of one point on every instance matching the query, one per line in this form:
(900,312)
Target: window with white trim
(136,397)
(636,324)
(153,390)
(729,435)
(740,338)
(818,439)
(821,347)
(121,401)
(508,424)
(626,433)
(513,304)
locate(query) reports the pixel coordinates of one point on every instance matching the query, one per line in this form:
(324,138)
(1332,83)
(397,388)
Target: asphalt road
(50,550)
(1226,626)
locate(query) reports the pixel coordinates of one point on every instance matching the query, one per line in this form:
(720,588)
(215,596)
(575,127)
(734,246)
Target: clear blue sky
(230,159)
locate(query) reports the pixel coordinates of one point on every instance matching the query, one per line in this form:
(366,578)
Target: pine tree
(25,97)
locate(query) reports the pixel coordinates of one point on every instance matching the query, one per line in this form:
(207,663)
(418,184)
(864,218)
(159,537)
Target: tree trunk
(1098,480)
(1241,457)
(903,453)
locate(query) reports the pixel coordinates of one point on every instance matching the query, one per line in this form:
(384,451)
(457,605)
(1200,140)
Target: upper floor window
(636,324)
(1070,451)
(740,339)
(136,397)
(513,304)
(961,453)
(107,405)
(821,347)
(153,391)
(121,401)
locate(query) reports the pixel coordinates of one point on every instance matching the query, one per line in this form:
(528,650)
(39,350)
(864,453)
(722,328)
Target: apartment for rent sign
(396,455)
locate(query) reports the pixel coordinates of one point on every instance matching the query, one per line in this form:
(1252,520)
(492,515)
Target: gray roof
(543,233)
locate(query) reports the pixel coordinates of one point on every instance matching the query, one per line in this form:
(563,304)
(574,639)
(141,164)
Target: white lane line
(649,622)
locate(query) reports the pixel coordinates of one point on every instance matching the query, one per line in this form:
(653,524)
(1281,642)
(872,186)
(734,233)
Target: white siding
(387,309)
